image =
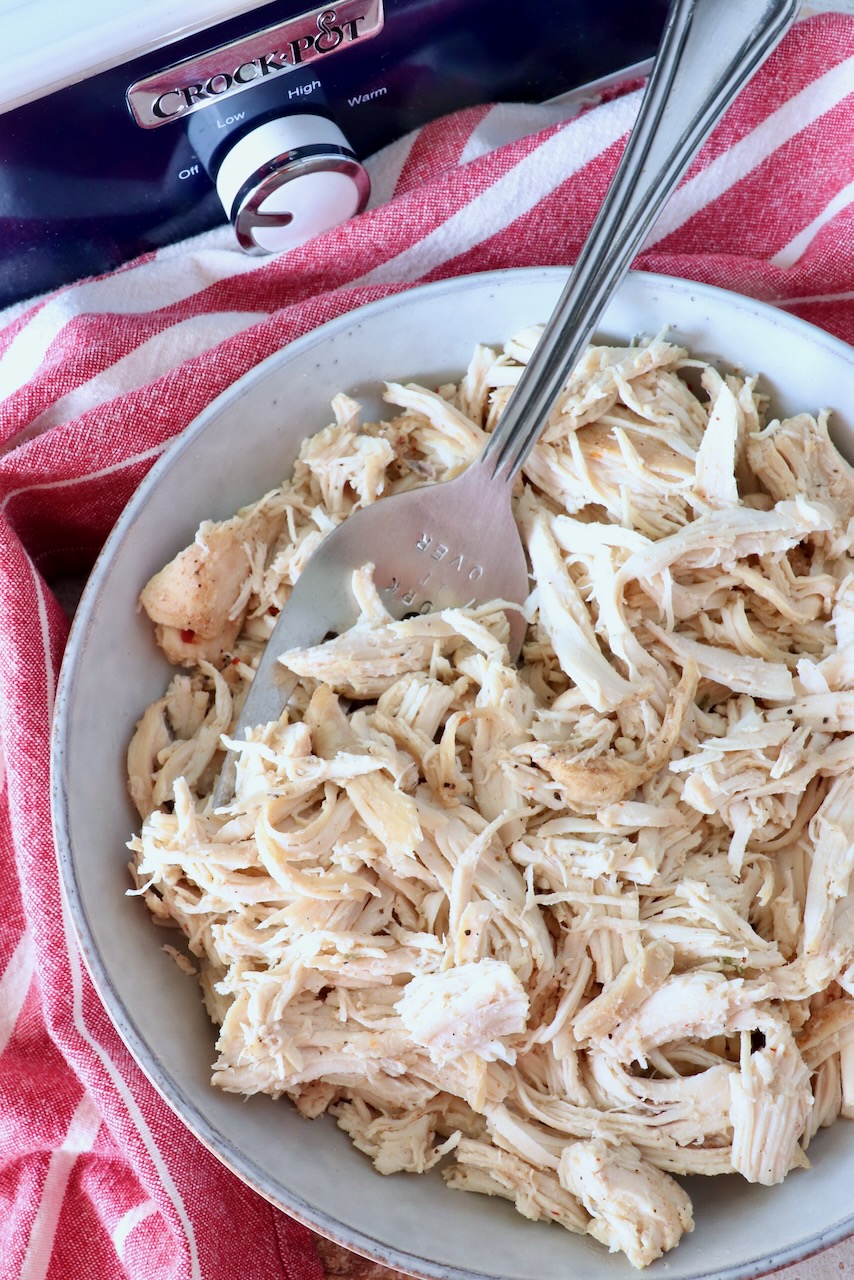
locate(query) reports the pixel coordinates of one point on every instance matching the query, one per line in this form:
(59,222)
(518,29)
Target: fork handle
(708,51)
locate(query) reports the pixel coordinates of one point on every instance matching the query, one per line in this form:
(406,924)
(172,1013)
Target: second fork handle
(708,52)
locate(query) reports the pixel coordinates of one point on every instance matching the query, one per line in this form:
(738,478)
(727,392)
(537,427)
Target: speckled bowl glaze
(113,669)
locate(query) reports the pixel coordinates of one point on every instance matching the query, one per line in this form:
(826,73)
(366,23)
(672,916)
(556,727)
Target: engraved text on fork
(443,566)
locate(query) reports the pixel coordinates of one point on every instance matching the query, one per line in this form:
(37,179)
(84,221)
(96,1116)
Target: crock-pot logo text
(289,45)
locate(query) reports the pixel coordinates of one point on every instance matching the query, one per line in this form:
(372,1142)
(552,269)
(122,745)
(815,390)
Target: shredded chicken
(570,929)
(634,1207)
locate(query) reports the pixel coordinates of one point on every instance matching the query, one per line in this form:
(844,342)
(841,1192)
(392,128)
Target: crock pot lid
(48,44)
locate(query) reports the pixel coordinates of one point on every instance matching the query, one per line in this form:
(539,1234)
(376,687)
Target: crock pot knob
(288,180)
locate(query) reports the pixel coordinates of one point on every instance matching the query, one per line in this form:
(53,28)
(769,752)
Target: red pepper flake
(235,662)
(273,610)
(188,636)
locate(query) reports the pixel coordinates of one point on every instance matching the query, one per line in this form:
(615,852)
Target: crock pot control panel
(259,121)
(264,114)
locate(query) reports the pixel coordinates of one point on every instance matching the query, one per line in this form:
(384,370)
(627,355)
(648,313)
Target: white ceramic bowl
(113,670)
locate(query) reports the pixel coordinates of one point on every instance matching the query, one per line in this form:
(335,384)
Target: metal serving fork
(456,543)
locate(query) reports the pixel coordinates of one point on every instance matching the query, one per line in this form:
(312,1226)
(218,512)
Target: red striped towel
(98,1179)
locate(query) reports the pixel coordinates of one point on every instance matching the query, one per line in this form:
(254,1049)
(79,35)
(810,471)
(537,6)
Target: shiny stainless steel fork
(455,543)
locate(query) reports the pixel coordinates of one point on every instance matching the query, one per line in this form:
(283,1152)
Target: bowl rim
(167,1087)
